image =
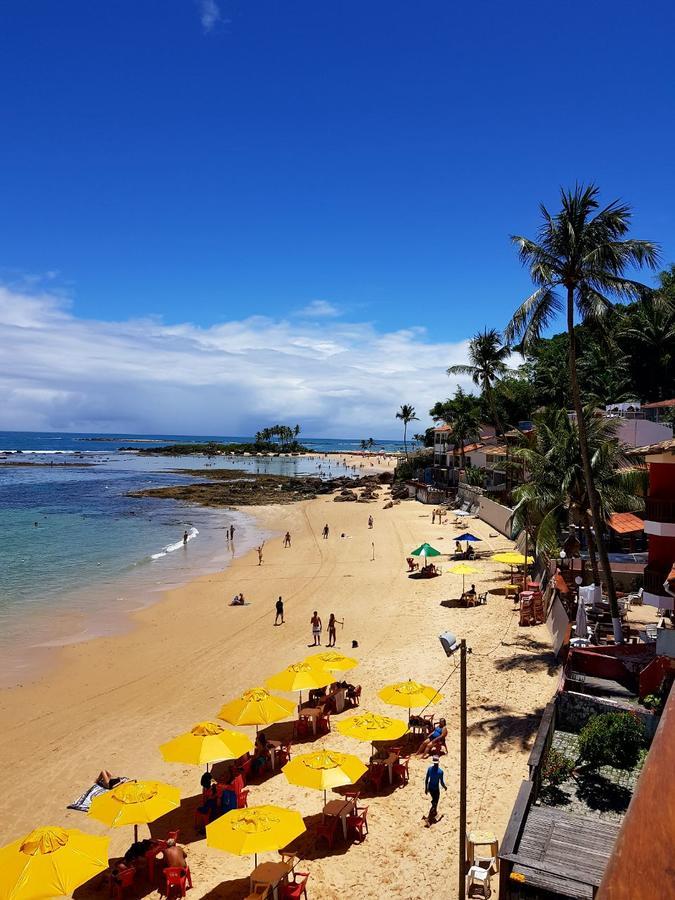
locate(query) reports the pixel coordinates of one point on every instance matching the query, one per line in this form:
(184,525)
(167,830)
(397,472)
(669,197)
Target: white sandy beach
(112,701)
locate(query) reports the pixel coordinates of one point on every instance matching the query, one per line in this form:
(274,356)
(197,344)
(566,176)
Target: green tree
(462,414)
(407,415)
(487,365)
(556,490)
(583,251)
(649,336)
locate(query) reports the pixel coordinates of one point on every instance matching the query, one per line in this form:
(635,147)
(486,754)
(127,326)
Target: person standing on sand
(185,538)
(316,627)
(325,532)
(287,539)
(280,612)
(370,521)
(332,621)
(260,553)
(432,786)
(232,532)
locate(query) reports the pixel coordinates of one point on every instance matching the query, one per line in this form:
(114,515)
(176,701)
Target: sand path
(112,701)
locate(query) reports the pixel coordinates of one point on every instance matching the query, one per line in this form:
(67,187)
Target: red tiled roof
(653,449)
(660,404)
(625,523)
(471,447)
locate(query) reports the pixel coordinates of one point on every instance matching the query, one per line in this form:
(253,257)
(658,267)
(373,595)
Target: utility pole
(451,645)
(461,875)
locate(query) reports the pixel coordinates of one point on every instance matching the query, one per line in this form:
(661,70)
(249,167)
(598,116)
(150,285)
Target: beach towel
(84,802)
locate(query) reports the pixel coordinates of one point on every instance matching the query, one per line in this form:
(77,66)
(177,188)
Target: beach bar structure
(659,522)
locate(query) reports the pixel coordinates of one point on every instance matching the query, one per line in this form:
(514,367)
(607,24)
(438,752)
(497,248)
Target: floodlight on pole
(451,644)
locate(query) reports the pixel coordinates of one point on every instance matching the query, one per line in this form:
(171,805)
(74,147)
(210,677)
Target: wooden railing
(542,745)
(659,510)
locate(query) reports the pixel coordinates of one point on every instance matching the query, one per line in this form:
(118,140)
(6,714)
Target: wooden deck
(563,853)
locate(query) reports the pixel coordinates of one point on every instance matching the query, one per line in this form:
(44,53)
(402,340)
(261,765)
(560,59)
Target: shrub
(557,768)
(612,739)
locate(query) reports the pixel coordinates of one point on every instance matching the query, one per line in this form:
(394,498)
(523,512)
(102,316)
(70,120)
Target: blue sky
(349,166)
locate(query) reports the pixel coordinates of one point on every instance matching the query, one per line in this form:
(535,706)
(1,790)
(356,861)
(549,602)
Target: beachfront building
(659,523)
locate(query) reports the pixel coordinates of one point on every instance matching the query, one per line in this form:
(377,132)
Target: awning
(625,523)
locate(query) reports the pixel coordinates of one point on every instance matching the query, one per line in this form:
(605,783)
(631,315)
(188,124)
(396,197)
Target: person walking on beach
(232,532)
(432,786)
(316,627)
(370,521)
(280,612)
(325,532)
(332,622)
(287,539)
(260,553)
(185,538)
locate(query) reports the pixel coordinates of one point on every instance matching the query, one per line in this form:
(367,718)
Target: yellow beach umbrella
(258,829)
(367,726)
(134,803)
(512,558)
(205,743)
(300,676)
(332,661)
(324,770)
(409,694)
(463,569)
(50,862)
(256,707)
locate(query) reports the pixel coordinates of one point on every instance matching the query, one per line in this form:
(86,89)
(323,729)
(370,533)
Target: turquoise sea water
(76,552)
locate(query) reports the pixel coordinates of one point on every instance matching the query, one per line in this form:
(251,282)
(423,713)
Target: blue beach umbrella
(468,537)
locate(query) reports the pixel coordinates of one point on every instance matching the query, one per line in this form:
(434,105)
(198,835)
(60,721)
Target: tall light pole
(452,645)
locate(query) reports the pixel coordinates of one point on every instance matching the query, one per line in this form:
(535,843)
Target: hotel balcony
(654,576)
(658,510)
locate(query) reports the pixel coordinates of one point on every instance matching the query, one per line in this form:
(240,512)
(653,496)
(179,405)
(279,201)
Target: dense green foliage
(557,768)
(556,491)
(612,739)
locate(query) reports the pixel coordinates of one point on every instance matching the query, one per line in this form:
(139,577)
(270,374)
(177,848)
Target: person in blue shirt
(432,786)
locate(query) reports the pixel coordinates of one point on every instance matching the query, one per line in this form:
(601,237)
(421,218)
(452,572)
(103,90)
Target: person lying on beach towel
(103,783)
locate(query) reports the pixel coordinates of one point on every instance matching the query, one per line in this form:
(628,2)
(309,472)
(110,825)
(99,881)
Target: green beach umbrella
(425,550)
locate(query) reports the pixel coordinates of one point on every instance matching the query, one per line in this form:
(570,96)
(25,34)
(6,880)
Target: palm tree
(583,251)
(650,334)
(407,415)
(462,414)
(487,355)
(556,487)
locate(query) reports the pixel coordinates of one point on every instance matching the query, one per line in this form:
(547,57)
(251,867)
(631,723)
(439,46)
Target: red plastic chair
(359,823)
(302,727)
(351,795)
(401,770)
(356,699)
(324,723)
(202,819)
(282,755)
(173,835)
(294,890)
(243,768)
(151,858)
(327,830)
(376,774)
(177,877)
(122,880)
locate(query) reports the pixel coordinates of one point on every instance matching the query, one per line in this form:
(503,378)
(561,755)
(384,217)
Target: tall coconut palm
(650,333)
(407,415)
(582,251)
(556,487)
(487,355)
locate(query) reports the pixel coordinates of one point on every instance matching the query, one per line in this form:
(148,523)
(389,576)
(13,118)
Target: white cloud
(320,309)
(338,379)
(209,14)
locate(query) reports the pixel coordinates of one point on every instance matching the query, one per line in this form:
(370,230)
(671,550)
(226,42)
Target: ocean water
(77,553)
